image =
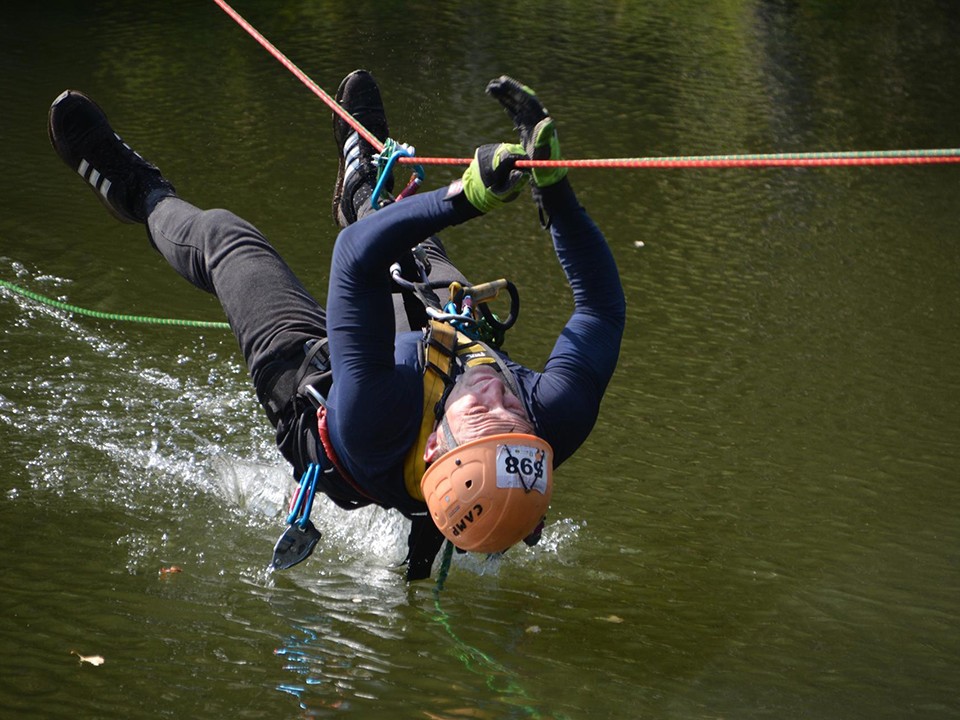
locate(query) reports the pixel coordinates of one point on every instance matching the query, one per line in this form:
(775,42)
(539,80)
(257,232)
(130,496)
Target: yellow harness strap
(441,348)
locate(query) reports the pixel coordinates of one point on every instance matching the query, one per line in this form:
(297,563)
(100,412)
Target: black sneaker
(84,140)
(359,95)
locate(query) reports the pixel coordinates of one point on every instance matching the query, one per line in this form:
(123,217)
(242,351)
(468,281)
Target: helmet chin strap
(448,437)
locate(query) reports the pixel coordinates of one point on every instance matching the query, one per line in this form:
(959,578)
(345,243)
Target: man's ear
(432,450)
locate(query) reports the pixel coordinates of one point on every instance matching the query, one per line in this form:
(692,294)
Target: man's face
(481,404)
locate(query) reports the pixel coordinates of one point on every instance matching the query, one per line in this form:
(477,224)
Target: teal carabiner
(386,159)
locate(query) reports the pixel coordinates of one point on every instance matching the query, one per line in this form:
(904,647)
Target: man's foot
(84,140)
(359,95)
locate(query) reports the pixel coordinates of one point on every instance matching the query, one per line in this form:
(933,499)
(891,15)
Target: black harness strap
(288,379)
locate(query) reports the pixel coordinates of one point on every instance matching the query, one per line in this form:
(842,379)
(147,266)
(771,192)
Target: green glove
(491,178)
(538,134)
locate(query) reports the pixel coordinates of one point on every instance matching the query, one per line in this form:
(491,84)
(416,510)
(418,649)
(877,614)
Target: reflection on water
(759,526)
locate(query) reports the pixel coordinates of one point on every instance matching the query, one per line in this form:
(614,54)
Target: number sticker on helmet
(519,466)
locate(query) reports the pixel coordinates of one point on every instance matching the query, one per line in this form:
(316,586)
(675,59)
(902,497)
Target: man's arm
(369,384)
(375,403)
(566,397)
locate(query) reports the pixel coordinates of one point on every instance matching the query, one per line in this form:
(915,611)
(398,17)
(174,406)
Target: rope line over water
(300,75)
(143,319)
(770,160)
(810,159)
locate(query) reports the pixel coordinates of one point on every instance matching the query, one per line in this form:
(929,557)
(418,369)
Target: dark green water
(764,523)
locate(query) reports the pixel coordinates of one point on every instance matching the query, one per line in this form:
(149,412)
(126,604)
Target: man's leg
(356,178)
(270,311)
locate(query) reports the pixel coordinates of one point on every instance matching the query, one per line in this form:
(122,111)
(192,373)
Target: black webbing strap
(285,385)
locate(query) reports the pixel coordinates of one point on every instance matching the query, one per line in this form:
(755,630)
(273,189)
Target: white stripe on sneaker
(351,155)
(99,182)
(351,143)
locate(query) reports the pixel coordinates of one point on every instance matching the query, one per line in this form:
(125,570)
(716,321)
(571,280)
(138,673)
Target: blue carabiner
(298,500)
(305,495)
(311,494)
(393,150)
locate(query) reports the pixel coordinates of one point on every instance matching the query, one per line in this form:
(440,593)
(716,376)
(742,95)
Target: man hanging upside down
(374,403)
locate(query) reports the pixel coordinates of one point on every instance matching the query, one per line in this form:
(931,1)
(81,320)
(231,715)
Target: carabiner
(386,159)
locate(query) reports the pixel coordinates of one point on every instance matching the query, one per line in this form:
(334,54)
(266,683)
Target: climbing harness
(447,352)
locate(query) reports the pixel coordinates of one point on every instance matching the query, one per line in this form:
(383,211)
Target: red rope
(894,157)
(915,157)
(300,75)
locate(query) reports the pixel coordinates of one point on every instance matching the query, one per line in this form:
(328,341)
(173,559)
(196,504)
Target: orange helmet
(488,494)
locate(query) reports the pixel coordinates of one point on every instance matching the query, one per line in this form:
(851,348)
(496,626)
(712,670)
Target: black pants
(271,313)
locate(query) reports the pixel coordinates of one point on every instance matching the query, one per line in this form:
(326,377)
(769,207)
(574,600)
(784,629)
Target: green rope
(43,300)
(474,659)
(444,570)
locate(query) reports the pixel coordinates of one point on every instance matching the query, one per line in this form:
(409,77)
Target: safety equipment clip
(300,537)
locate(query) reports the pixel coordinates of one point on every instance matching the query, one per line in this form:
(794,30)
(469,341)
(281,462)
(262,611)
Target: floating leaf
(169,570)
(95,660)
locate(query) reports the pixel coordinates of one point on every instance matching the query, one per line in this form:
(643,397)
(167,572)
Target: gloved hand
(538,134)
(491,178)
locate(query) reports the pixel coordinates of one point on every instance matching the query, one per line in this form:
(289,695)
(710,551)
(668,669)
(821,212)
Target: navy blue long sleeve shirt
(375,406)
